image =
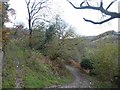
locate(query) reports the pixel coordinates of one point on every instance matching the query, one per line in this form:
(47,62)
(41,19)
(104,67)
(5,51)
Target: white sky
(72,16)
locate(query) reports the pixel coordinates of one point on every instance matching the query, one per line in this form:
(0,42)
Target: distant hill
(109,35)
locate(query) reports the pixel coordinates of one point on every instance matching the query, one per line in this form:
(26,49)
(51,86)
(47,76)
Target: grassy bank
(34,71)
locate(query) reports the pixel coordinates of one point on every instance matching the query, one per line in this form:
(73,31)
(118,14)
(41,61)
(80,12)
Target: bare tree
(86,5)
(34,7)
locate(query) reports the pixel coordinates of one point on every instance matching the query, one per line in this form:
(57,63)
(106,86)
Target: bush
(105,60)
(86,64)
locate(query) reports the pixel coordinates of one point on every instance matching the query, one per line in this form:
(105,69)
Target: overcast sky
(72,16)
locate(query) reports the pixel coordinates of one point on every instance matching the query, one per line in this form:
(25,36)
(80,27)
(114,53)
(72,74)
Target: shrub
(86,64)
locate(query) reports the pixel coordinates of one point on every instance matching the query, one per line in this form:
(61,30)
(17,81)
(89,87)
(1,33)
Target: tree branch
(36,6)
(110,4)
(37,10)
(101,22)
(101,4)
(99,8)
(27,2)
(33,22)
(80,3)
(33,4)
(88,3)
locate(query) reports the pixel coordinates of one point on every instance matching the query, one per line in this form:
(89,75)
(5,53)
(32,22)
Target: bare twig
(110,4)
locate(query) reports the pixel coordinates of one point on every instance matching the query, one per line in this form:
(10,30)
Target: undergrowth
(100,84)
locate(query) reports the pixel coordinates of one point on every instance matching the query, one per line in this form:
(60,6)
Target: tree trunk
(30,32)
(30,39)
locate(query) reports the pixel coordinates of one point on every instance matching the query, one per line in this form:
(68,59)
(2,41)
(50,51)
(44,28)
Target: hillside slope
(27,68)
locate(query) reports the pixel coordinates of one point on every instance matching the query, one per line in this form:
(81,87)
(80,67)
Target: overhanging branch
(101,22)
(98,8)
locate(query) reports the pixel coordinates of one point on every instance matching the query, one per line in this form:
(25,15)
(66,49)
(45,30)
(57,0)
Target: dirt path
(79,80)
